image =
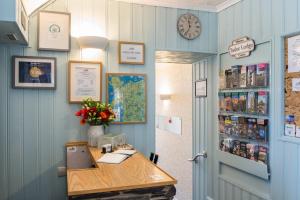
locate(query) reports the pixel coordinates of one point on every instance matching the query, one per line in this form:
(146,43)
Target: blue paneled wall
(35,124)
(265,21)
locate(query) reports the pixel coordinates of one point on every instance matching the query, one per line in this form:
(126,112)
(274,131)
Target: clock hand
(189,26)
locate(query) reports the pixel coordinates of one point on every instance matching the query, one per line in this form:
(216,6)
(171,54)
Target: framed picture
(85,81)
(127,95)
(131,53)
(34,72)
(201,88)
(54,31)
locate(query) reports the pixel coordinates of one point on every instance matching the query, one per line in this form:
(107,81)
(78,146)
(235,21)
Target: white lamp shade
(165,96)
(95,42)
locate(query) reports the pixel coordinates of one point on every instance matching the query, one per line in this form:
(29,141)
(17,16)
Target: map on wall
(127,95)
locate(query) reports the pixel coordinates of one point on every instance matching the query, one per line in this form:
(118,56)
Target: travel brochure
(244,102)
(242,129)
(251,151)
(245,76)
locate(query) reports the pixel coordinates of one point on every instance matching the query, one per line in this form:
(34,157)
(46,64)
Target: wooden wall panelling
(200,132)
(35,124)
(204,38)
(290,167)
(160,26)
(291,14)
(256,26)
(15,133)
(170,28)
(31,132)
(275,19)
(210,138)
(4,82)
(265,17)
(213,32)
(149,38)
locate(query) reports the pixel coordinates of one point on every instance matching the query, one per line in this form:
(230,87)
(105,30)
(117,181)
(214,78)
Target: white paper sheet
(125,152)
(296,84)
(294,54)
(112,158)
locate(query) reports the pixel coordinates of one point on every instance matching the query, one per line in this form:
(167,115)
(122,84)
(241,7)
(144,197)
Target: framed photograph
(201,88)
(54,31)
(131,53)
(128,96)
(85,81)
(34,72)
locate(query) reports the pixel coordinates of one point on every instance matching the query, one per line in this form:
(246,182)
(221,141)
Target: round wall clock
(188,26)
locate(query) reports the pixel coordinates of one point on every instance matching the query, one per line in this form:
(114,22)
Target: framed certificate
(85,81)
(201,88)
(131,53)
(54,31)
(34,72)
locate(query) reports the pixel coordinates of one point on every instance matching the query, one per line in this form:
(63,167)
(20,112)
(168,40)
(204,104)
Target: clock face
(188,26)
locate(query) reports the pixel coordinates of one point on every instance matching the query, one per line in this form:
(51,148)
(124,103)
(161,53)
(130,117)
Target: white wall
(173,149)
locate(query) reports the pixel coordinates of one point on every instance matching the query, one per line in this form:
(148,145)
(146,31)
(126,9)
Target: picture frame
(132,53)
(201,88)
(130,104)
(85,81)
(54,30)
(34,72)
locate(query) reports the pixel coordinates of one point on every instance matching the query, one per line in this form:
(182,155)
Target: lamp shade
(95,42)
(165,96)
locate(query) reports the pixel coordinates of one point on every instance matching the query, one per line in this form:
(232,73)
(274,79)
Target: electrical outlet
(61,171)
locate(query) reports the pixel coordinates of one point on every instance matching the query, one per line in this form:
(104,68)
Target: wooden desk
(134,173)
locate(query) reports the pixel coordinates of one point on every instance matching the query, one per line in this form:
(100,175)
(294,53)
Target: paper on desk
(125,152)
(112,158)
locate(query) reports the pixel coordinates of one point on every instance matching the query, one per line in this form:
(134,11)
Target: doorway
(183,122)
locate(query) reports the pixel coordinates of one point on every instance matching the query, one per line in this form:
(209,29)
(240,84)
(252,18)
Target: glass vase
(94,133)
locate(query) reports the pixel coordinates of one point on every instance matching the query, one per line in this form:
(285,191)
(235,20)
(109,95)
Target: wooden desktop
(135,178)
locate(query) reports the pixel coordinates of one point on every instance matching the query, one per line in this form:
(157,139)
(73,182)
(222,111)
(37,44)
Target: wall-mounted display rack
(244,118)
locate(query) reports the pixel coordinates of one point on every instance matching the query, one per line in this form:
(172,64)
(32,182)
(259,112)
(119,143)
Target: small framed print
(54,31)
(85,81)
(34,72)
(201,88)
(131,53)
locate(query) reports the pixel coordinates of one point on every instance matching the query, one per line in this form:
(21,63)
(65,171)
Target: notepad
(125,152)
(112,158)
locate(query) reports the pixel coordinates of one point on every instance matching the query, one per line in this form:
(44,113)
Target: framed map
(127,95)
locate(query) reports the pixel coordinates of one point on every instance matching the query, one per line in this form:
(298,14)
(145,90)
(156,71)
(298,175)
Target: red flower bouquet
(95,113)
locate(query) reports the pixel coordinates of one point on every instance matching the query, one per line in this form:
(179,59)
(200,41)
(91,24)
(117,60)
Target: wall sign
(201,88)
(241,47)
(131,53)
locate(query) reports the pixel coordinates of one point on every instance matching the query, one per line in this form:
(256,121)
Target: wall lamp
(165,96)
(94,42)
